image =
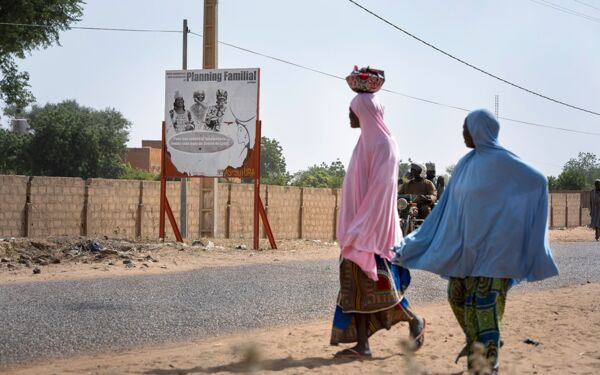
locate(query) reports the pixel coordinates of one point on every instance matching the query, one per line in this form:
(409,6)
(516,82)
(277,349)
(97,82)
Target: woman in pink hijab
(371,288)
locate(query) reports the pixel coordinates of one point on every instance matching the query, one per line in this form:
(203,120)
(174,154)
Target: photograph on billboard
(210,121)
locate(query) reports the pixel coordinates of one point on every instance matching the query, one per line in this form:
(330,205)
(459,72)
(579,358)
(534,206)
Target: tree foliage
(403,168)
(52,16)
(132,173)
(272,163)
(577,174)
(322,176)
(70,140)
(13,148)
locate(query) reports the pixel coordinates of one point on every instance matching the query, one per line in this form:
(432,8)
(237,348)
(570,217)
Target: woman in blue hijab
(488,231)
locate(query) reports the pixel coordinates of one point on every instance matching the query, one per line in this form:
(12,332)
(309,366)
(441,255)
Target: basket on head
(365,79)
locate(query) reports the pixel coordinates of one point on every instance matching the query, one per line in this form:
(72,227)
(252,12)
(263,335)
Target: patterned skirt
(383,300)
(478,305)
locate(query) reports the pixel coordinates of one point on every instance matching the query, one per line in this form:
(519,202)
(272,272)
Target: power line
(560,8)
(309,69)
(586,4)
(473,66)
(94,28)
(271,57)
(328,74)
(396,92)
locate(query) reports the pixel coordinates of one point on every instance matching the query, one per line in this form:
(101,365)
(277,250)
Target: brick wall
(145,158)
(284,205)
(241,211)
(57,206)
(150,212)
(113,208)
(13,196)
(130,209)
(319,213)
(223,211)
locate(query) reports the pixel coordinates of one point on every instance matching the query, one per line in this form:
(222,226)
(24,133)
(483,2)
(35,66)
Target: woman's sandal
(352,353)
(419,339)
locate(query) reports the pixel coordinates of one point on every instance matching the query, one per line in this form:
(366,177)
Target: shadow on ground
(244,367)
(281,364)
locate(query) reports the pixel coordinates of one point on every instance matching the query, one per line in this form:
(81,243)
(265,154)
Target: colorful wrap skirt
(478,305)
(383,300)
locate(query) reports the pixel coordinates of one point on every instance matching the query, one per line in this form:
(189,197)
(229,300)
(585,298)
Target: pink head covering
(368,222)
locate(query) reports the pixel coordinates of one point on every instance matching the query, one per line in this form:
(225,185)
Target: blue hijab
(491,220)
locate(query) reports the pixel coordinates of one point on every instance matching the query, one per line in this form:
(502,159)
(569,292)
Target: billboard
(210,121)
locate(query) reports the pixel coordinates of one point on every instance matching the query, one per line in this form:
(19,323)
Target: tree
(552,183)
(577,174)
(571,179)
(322,176)
(132,173)
(272,163)
(13,148)
(53,16)
(71,140)
(450,169)
(403,168)
(586,163)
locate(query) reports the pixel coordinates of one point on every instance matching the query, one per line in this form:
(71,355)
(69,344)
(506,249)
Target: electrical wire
(586,4)
(397,92)
(309,69)
(473,66)
(560,8)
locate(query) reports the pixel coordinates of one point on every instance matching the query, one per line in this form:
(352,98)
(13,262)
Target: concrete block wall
(150,210)
(43,206)
(241,211)
(194,187)
(558,208)
(573,209)
(57,206)
(223,210)
(319,213)
(13,197)
(112,208)
(284,211)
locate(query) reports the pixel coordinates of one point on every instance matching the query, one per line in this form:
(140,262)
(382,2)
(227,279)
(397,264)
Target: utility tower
(497,105)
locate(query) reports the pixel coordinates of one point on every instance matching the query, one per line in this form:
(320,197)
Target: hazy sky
(543,49)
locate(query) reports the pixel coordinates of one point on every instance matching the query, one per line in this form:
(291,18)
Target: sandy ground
(158,258)
(565,323)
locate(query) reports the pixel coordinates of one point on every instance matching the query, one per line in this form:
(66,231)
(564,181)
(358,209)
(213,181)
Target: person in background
(437,181)
(371,288)
(420,187)
(488,231)
(595,208)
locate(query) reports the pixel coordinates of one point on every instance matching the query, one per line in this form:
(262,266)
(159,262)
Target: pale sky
(543,49)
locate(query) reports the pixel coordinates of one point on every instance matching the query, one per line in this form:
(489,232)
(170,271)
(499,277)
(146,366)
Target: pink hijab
(368,223)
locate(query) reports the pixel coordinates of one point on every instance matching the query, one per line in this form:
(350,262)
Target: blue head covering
(491,220)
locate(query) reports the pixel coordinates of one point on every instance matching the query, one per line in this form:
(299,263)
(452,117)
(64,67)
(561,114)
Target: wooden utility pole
(210,48)
(208,214)
(183,182)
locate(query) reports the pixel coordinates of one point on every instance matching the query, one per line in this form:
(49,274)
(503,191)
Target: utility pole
(183,182)
(208,214)
(210,50)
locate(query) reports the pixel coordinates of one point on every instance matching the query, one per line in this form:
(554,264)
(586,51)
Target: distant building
(146,157)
